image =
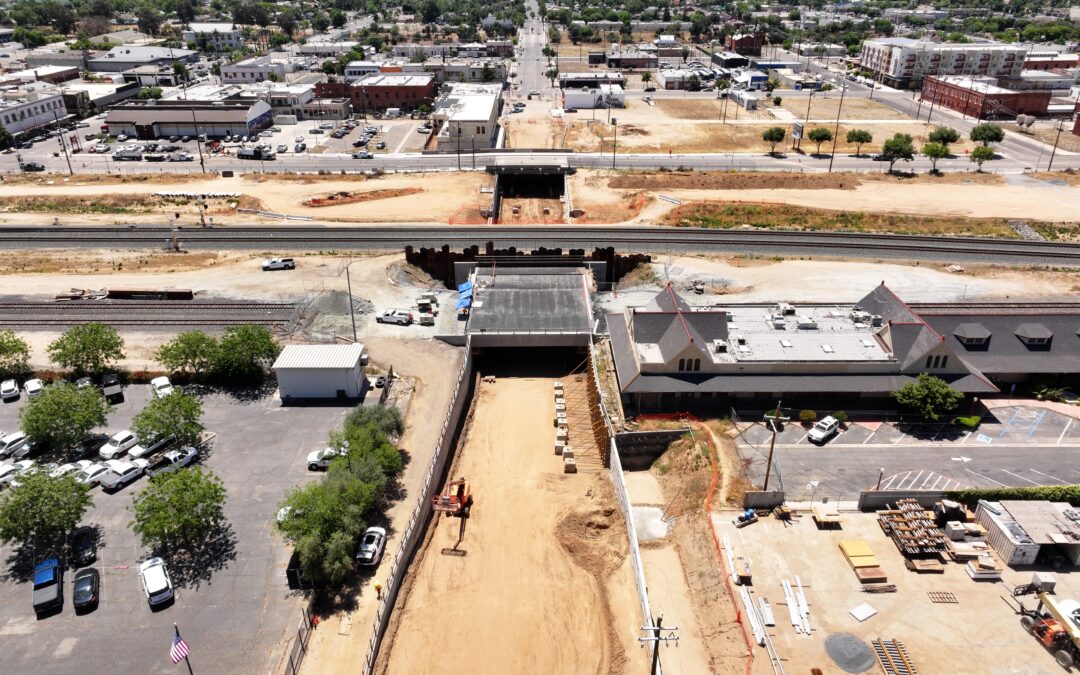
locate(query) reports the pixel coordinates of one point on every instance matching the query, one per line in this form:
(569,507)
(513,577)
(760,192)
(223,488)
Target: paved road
(531,62)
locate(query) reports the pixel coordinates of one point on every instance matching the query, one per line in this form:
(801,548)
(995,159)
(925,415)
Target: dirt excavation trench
(545,583)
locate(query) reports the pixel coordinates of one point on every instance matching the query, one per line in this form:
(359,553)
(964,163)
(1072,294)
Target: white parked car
(33,387)
(92,474)
(121,473)
(120,442)
(372,545)
(71,467)
(155,581)
(320,459)
(12,443)
(278,264)
(9,472)
(399,316)
(824,429)
(161,387)
(9,389)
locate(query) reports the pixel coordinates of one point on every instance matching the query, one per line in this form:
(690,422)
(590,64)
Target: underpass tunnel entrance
(530,194)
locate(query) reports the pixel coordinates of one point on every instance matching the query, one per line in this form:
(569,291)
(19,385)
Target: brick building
(980,98)
(381,91)
(746,44)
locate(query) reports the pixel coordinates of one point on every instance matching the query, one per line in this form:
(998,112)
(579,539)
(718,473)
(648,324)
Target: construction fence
(299,646)
(421,515)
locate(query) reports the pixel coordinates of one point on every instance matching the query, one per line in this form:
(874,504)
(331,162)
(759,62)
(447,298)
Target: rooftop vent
(807,322)
(828,349)
(719,346)
(859,316)
(785,308)
(786,344)
(875,320)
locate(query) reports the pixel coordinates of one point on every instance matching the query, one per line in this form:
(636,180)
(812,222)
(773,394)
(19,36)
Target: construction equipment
(1057,628)
(455,499)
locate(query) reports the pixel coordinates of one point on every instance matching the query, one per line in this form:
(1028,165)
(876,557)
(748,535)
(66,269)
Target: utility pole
(352,310)
(806,127)
(63,145)
(1049,164)
(657,638)
(615,142)
(772,421)
(836,134)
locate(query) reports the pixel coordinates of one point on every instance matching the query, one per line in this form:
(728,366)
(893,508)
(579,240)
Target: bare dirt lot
(966,637)
(438,197)
(544,586)
(531,211)
(825,106)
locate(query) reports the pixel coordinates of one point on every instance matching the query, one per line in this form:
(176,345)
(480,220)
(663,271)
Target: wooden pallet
(941,597)
(893,657)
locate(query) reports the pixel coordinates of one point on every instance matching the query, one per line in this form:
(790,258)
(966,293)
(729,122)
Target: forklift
(1057,628)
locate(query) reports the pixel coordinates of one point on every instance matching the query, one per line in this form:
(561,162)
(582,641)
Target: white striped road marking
(1020,477)
(986,477)
(870,436)
(927,480)
(1067,425)
(966,437)
(899,439)
(803,438)
(1049,476)
(934,486)
(954,483)
(911,485)
(891,479)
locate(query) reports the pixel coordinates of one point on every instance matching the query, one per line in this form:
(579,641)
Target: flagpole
(187,661)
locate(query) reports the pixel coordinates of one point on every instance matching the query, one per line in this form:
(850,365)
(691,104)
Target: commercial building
(404,92)
(30,106)
(678,78)
(119,59)
(332,48)
(84,99)
(590,80)
(354,70)
(899,62)
(605,96)
(312,372)
(479,70)
(980,98)
(53,74)
(747,44)
(291,103)
(631,60)
(214,37)
(730,60)
(172,117)
(59,54)
(1050,60)
(152,76)
(467,117)
(274,66)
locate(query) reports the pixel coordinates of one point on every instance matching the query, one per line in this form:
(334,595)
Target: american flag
(179,649)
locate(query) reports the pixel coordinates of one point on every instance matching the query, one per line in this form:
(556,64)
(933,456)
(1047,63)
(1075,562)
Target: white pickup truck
(279,264)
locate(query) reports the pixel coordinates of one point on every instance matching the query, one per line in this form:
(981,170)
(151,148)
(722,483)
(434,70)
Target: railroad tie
(893,657)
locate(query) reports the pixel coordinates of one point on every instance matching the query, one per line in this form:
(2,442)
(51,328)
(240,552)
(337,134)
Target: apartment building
(469,115)
(215,37)
(901,62)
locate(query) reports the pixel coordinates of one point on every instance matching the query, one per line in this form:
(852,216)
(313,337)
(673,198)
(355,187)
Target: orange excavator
(455,499)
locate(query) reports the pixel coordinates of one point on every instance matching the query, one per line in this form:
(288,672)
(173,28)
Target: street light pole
(836,134)
(352,310)
(615,142)
(809,100)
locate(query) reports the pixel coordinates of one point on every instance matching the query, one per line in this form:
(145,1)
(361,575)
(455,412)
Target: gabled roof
(1028,331)
(883,302)
(971,331)
(1007,352)
(667,300)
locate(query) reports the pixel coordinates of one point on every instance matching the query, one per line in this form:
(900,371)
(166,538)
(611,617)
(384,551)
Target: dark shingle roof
(1033,331)
(1006,352)
(971,331)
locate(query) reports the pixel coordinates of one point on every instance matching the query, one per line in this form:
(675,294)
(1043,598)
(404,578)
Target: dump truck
(1056,624)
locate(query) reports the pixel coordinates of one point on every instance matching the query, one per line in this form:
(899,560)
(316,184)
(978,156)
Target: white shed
(320,371)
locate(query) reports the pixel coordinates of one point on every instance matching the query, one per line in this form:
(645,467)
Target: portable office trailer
(320,371)
(1012,544)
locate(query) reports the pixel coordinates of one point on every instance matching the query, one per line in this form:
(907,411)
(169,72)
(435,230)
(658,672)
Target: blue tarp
(464,302)
(465,294)
(467,286)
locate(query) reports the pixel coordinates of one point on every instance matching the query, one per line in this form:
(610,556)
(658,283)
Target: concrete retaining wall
(639,449)
(757,499)
(874,500)
(422,512)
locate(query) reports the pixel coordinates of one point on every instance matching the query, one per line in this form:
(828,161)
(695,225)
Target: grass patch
(784,217)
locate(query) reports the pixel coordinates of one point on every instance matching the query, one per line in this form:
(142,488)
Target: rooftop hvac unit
(785,309)
(875,320)
(859,316)
(740,339)
(778,321)
(807,322)
(719,346)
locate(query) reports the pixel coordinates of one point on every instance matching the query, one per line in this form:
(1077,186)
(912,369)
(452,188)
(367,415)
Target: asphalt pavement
(233,605)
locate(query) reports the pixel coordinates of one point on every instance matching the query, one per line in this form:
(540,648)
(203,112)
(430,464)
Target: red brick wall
(977,104)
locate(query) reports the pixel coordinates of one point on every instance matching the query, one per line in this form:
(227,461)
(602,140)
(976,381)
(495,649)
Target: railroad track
(135,314)
(623,238)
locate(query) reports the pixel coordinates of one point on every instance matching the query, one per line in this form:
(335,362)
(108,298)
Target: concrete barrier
(639,449)
(874,500)
(756,499)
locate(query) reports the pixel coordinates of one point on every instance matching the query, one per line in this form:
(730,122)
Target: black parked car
(32,166)
(83,546)
(87,586)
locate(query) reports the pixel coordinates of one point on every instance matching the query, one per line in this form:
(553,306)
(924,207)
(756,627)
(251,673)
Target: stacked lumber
(984,568)
(863,561)
(963,551)
(826,515)
(913,529)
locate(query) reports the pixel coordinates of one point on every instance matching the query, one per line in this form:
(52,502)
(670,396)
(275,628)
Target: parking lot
(1015,445)
(978,633)
(232,605)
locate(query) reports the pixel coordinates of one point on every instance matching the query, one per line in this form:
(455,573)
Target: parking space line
(1049,476)
(803,438)
(1065,430)
(975,473)
(927,480)
(870,436)
(965,438)
(939,479)
(902,436)
(1035,424)
(831,439)
(951,482)
(917,477)
(888,485)
(1020,477)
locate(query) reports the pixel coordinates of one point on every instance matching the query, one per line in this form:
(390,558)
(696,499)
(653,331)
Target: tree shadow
(196,563)
(239,394)
(21,560)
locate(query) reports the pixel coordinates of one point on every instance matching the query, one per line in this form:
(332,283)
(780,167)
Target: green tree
(646,77)
(243,354)
(935,151)
(900,146)
(87,348)
(859,137)
(554,35)
(6,139)
(982,154)
(429,11)
(771,84)
(178,508)
(773,136)
(928,396)
(987,134)
(552,74)
(386,418)
(180,70)
(149,19)
(14,355)
(178,415)
(63,415)
(147,93)
(42,508)
(685,53)
(192,351)
(777,100)
(337,18)
(819,135)
(944,135)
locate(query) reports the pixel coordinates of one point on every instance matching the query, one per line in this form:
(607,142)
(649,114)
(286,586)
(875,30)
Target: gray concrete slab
(234,608)
(531,301)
